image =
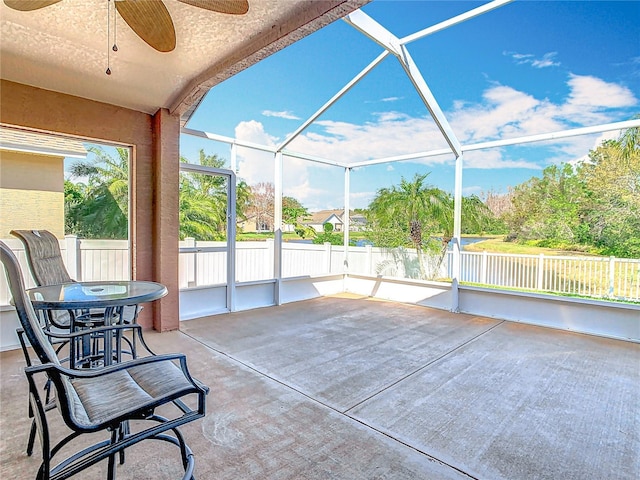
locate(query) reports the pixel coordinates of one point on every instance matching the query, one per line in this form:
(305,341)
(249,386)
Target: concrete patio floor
(354,388)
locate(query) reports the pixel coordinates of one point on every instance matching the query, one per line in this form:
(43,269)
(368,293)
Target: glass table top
(95,294)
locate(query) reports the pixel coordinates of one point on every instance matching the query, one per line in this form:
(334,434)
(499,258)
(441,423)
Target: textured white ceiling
(63,48)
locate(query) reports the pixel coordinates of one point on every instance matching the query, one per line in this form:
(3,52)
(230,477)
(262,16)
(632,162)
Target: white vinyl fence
(205,263)
(86,260)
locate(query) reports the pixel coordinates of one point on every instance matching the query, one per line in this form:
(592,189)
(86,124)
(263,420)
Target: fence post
(368,260)
(612,275)
(191,263)
(269,257)
(483,267)
(540,272)
(72,254)
(327,257)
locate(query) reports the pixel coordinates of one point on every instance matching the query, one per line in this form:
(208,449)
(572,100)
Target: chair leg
(32,438)
(37,409)
(111,466)
(123,431)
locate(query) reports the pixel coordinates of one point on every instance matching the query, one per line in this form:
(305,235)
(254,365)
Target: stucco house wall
(31,192)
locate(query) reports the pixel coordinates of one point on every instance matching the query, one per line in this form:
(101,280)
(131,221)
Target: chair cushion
(99,400)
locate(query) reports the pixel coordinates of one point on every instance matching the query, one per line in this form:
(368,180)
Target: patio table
(109,296)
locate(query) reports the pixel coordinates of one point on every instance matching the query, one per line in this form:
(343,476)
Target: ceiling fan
(149,19)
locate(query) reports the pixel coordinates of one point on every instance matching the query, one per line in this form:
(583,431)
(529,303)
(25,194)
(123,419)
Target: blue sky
(526,68)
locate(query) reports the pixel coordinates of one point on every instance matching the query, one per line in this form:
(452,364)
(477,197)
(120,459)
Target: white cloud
(391,99)
(547,59)
(390,168)
(286,114)
(588,91)
(254,166)
(390,134)
(258,166)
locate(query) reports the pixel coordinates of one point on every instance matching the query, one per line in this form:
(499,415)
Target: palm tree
(414,208)
(203,201)
(104,210)
(201,217)
(420,212)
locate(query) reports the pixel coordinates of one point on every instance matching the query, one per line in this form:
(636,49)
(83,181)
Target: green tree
(596,205)
(327,236)
(415,213)
(611,209)
(103,211)
(549,208)
(294,213)
(73,197)
(203,201)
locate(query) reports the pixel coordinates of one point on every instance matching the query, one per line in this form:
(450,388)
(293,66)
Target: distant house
(336,218)
(32,180)
(261,224)
(256,223)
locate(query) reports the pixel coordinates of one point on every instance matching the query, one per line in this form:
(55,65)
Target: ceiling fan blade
(151,22)
(29,5)
(234,7)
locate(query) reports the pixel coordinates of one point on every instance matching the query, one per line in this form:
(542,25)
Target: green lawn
(497,245)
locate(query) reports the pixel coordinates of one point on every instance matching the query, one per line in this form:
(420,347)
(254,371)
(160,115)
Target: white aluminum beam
(376,32)
(372,29)
(333,100)
(229,140)
(399,158)
(454,20)
(429,100)
(313,158)
(574,132)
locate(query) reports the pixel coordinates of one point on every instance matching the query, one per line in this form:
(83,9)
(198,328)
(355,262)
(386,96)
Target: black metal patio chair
(47,268)
(103,399)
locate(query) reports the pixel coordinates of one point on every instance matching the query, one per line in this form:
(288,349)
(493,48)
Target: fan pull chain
(115,30)
(108,72)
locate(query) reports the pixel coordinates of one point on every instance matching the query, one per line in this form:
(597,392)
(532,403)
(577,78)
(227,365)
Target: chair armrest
(98,372)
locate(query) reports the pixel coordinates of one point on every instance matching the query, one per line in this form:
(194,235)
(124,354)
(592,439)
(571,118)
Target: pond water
(463,241)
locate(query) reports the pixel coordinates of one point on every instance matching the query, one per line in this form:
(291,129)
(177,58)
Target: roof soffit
(64,47)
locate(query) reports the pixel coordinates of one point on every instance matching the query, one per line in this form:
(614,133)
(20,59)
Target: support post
(231,242)
(346,219)
(277,227)
(457,229)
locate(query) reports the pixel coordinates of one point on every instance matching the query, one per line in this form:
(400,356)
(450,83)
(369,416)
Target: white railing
(599,277)
(204,263)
